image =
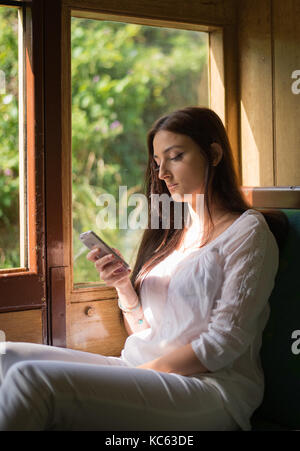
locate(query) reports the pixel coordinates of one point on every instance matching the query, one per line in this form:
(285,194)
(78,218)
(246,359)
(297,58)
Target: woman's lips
(172,186)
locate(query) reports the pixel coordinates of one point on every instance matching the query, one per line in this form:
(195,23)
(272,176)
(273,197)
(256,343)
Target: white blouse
(215,298)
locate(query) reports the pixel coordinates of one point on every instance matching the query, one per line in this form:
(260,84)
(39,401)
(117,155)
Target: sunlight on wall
(250,157)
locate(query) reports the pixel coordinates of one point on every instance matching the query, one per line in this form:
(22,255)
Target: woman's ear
(217,153)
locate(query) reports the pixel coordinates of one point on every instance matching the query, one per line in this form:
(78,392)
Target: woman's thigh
(13,352)
(52,395)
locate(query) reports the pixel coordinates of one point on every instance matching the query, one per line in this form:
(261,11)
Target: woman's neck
(194,229)
(198,217)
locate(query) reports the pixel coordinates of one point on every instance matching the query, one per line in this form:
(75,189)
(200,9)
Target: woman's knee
(25,400)
(6,358)
(14,352)
(11,354)
(28,377)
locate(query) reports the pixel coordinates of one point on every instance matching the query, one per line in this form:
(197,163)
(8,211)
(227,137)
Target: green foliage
(124,77)
(9,154)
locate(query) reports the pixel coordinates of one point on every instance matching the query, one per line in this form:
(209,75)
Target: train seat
(280,351)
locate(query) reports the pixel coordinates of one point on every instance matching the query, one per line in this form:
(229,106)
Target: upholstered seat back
(280,360)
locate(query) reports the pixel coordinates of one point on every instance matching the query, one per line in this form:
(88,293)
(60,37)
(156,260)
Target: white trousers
(50,388)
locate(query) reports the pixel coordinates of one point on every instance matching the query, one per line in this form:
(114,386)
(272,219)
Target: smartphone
(91,240)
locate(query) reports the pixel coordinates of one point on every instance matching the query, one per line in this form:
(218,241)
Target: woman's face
(180,162)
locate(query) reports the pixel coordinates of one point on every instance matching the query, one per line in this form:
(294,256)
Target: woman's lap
(76,391)
(14,352)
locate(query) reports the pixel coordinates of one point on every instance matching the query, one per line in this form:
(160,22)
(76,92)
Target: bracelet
(140,321)
(128,310)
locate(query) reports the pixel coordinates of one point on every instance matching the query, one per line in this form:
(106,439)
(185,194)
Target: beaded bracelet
(140,321)
(128,310)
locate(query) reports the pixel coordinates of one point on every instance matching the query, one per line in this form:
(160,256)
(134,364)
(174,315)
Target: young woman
(195,307)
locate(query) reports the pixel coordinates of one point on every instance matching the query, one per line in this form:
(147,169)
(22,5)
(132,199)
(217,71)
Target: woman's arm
(113,273)
(182,361)
(134,321)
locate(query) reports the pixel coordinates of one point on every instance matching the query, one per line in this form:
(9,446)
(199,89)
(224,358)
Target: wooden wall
(269,53)
(24,325)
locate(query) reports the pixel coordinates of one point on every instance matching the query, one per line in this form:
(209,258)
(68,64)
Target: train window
(124,76)
(12,144)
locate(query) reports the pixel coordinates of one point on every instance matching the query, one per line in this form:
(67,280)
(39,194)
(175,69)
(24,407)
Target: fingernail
(119,270)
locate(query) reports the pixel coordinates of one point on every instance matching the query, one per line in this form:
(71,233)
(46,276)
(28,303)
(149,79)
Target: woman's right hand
(110,269)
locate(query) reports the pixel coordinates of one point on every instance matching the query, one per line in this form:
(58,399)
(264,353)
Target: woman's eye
(178,157)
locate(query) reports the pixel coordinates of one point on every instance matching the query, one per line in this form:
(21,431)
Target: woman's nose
(163,172)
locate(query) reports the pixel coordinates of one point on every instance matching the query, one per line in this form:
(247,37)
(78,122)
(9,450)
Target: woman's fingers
(101,262)
(94,254)
(112,273)
(117,252)
(108,265)
(117,277)
(110,269)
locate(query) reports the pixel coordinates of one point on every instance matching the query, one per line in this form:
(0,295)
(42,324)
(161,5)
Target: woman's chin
(177,197)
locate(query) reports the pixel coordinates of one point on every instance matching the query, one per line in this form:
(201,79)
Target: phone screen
(91,240)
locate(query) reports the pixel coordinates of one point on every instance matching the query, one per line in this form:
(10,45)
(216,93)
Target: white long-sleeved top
(215,298)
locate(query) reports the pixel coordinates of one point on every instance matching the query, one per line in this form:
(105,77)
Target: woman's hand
(110,269)
(181,360)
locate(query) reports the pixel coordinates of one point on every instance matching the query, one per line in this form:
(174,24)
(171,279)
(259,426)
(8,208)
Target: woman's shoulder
(236,224)
(249,228)
(248,220)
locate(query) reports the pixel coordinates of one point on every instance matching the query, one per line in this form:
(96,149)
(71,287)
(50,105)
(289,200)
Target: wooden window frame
(283,197)
(220,22)
(25,288)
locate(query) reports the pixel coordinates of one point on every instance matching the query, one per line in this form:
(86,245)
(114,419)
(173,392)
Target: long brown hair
(221,185)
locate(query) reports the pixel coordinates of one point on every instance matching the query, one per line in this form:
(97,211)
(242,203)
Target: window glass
(10,230)
(124,76)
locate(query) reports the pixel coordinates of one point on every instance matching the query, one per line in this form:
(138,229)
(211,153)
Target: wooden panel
(212,12)
(272,197)
(255,65)
(53,133)
(22,326)
(93,293)
(223,88)
(96,327)
(54,149)
(57,309)
(230,48)
(216,73)
(286,19)
(95,15)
